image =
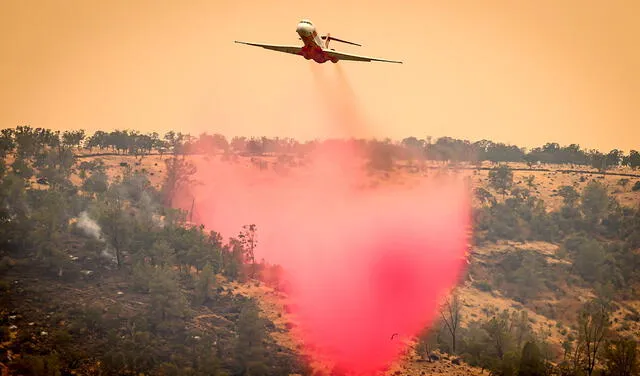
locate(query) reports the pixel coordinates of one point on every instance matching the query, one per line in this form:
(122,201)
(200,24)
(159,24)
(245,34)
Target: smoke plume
(89,226)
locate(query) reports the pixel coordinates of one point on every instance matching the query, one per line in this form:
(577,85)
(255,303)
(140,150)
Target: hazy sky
(523,72)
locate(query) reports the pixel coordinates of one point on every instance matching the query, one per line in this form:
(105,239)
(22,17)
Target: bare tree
(249,242)
(450,313)
(593,326)
(577,356)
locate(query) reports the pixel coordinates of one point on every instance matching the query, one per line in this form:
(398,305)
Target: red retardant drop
(363,264)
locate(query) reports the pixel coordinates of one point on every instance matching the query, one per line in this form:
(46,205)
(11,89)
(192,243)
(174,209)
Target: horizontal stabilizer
(328,38)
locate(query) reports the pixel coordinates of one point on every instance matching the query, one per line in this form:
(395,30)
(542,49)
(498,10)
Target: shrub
(483,286)
(632,317)
(4,285)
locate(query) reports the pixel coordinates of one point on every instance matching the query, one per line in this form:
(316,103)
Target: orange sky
(523,72)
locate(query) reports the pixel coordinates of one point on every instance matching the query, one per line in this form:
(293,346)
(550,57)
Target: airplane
(316,47)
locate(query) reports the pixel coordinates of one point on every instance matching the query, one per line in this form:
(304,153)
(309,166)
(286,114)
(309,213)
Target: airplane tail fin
(329,38)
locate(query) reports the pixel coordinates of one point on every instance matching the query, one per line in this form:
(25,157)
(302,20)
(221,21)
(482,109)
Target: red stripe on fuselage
(313,46)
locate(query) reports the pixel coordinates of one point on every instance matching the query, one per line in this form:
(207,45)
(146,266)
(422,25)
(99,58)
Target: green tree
(484,196)
(632,160)
(205,284)
(206,360)
(589,260)
(569,195)
(161,254)
(56,166)
(26,141)
(21,168)
(499,335)
(49,227)
(501,179)
(167,301)
(250,351)
(40,365)
(7,145)
(531,362)
(99,139)
(73,138)
(97,182)
(116,225)
(175,142)
(614,157)
(476,346)
(233,258)
(595,202)
(621,357)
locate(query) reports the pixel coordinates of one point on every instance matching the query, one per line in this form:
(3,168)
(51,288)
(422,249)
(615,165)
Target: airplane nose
(304,29)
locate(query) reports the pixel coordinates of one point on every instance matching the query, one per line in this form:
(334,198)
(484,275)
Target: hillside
(553,311)
(99,277)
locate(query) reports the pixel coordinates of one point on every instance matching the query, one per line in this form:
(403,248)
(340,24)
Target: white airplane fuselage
(316,47)
(313,44)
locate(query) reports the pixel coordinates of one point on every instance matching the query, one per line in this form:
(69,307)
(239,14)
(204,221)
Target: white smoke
(109,254)
(92,228)
(89,226)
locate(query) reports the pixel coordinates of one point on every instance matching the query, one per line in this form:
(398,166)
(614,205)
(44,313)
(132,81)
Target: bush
(5,334)
(483,286)
(4,285)
(632,317)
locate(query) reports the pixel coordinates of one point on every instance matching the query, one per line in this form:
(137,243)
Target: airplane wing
(276,47)
(346,56)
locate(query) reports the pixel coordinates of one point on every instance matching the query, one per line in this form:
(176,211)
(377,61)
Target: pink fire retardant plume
(363,263)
